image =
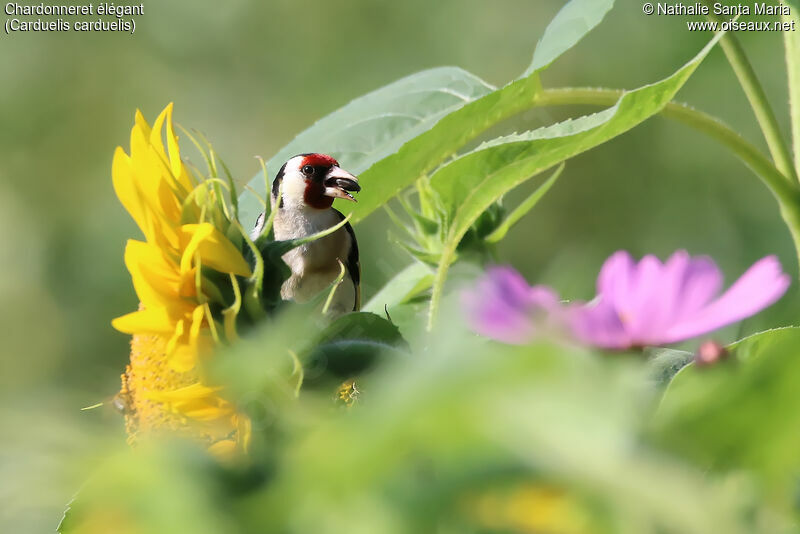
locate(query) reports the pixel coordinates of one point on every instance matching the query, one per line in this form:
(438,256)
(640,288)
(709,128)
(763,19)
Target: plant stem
(445,260)
(758,101)
(786,192)
(791,43)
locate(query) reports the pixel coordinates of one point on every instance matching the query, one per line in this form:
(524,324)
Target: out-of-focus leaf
(351,344)
(159,489)
(570,25)
(406,284)
(447,424)
(523,208)
(376,125)
(741,412)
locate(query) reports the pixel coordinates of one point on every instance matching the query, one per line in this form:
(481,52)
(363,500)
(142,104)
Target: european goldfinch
(307,185)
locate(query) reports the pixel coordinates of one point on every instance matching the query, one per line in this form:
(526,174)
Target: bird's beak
(338,182)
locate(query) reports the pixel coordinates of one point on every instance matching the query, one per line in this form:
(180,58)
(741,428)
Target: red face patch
(315,197)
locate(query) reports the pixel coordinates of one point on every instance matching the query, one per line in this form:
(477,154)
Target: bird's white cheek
(294,188)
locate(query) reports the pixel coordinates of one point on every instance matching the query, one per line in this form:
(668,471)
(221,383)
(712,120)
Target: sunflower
(180,272)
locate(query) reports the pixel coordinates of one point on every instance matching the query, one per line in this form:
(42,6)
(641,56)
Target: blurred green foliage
(251,75)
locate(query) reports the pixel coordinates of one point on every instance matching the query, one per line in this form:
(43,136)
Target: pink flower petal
(616,277)
(598,323)
(639,313)
(504,307)
(701,282)
(762,285)
(682,287)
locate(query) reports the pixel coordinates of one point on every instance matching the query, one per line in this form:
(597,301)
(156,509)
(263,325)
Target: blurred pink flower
(638,304)
(504,307)
(650,303)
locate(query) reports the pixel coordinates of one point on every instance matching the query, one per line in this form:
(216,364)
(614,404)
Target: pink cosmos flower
(650,303)
(504,307)
(638,304)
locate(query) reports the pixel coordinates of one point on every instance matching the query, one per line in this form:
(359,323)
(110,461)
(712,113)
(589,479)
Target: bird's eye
(308,170)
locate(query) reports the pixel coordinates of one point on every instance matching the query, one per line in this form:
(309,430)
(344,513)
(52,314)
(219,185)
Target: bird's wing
(353,264)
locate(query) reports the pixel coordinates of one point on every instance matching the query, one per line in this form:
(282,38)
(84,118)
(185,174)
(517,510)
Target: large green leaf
(430,114)
(424,153)
(568,27)
(744,412)
(375,125)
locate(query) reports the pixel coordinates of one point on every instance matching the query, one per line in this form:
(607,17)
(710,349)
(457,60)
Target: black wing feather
(276,185)
(353,264)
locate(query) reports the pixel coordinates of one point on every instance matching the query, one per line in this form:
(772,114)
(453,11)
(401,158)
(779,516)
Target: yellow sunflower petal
(155,278)
(127,191)
(153,321)
(216,251)
(177,166)
(155,134)
(198,401)
(182,357)
(170,204)
(140,134)
(141,123)
(191,237)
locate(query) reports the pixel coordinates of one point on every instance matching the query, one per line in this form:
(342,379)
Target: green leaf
(353,132)
(453,128)
(351,345)
(405,285)
(427,151)
(474,181)
(570,25)
(524,207)
(375,125)
(743,412)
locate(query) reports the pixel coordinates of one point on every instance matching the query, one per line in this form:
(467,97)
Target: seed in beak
(338,184)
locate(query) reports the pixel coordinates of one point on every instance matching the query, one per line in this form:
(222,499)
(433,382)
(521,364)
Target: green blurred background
(251,75)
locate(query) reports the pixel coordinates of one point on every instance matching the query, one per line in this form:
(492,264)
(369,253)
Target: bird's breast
(318,256)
